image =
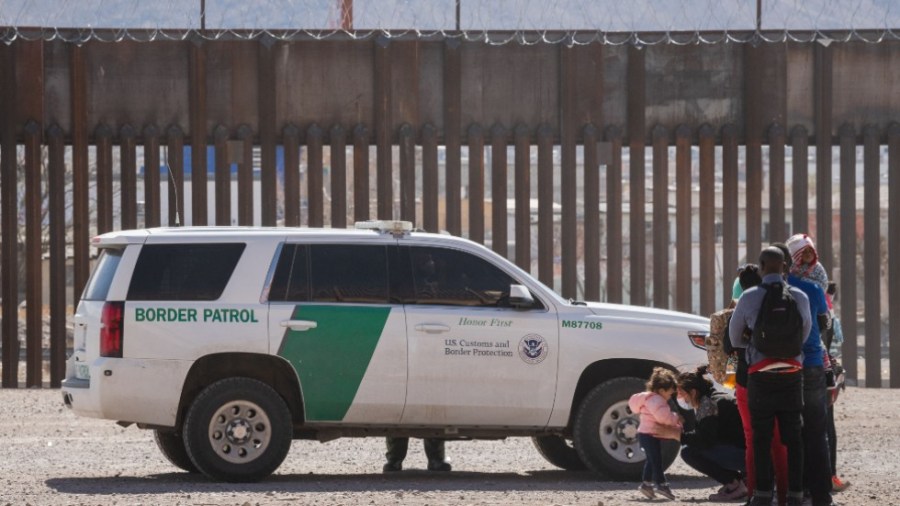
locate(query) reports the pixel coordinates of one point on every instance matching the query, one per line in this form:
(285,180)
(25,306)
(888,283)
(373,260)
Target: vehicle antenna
(173,186)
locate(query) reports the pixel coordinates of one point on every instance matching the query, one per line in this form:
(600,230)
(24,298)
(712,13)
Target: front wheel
(605,431)
(238,430)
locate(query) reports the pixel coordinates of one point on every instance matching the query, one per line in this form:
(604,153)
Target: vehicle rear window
(98,286)
(183,271)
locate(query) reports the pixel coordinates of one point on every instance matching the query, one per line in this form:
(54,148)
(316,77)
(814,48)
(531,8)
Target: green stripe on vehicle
(332,358)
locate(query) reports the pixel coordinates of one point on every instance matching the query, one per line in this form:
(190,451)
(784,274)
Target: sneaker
(723,489)
(838,485)
(392,466)
(665,491)
(760,501)
(739,491)
(647,490)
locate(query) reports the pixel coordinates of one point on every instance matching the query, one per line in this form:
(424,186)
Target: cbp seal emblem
(533,349)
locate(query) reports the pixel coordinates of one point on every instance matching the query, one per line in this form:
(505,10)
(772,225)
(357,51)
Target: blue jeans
(723,463)
(816,453)
(653,470)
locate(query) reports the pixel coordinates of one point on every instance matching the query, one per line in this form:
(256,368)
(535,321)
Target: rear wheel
(559,452)
(238,430)
(605,431)
(171,445)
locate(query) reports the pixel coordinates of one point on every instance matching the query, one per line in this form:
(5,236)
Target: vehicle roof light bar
(395,228)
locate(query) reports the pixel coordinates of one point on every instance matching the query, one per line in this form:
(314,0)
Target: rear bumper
(128,390)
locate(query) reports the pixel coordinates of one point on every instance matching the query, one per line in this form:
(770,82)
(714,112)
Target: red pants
(779,452)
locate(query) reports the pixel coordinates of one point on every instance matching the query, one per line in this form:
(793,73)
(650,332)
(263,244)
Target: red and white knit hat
(797,243)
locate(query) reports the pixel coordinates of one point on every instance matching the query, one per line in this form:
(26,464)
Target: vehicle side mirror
(520,296)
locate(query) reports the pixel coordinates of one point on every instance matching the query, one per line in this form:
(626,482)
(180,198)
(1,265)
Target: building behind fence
(637,174)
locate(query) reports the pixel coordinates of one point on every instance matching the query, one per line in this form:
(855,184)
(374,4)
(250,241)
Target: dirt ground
(52,457)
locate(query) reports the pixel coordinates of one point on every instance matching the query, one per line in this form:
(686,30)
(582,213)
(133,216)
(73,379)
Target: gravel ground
(55,458)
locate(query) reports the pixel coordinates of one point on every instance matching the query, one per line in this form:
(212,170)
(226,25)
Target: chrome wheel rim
(618,433)
(240,431)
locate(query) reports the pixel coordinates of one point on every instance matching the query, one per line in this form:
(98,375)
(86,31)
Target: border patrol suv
(230,342)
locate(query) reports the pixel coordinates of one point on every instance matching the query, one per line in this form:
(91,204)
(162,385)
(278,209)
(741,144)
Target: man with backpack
(779,319)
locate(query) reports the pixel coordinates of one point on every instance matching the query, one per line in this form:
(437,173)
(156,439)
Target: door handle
(299,325)
(432,328)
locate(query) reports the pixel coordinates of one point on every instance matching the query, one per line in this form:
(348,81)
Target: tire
(605,431)
(171,445)
(559,452)
(238,430)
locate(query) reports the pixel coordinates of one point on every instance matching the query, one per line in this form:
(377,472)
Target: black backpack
(778,331)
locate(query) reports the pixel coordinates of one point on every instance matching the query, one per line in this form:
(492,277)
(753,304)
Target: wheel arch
(271,370)
(605,370)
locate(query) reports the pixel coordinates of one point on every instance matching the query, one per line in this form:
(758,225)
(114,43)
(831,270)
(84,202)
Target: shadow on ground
(413,480)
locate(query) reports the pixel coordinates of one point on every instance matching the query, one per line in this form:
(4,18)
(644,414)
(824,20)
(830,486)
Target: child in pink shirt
(658,422)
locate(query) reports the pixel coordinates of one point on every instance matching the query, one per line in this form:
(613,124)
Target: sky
(475,15)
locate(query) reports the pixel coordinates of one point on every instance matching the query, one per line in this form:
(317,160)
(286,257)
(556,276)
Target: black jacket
(718,422)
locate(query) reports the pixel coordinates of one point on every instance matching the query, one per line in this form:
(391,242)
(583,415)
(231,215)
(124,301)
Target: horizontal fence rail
(568,212)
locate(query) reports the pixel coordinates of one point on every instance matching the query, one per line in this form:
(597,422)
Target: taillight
(112,331)
(698,338)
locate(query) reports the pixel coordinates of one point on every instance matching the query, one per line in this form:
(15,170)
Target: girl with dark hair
(715,446)
(658,422)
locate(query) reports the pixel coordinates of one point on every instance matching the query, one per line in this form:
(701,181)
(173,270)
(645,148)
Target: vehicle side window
(98,286)
(452,277)
(290,283)
(349,273)
(183,271)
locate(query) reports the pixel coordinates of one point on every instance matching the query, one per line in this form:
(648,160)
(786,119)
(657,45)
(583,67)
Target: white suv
(231,342)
